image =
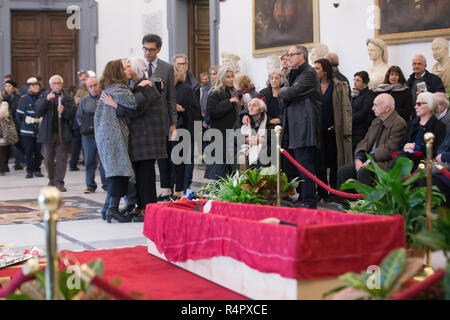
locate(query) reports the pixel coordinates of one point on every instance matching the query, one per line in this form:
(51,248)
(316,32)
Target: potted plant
(256,186)
(395,192)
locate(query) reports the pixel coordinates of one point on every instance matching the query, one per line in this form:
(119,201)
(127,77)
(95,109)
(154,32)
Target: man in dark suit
(419,75)
(301,99)
(158,68)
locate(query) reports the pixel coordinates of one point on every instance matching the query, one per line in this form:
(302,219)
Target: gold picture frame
(292,22)
(405,21)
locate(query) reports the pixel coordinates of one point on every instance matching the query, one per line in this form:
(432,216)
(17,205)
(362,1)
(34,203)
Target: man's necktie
(150,71)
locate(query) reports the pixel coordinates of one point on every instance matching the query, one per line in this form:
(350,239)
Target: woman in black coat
(413,144)
(277,79)
(362,103)
(224,109)
(395,85)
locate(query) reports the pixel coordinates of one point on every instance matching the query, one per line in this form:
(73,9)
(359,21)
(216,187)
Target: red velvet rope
(15,283)
(445,173)
(415,289)
(320,183)
(115,292)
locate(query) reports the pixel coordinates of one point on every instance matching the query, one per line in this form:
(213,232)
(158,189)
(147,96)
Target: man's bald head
(442,101)
(383,105)
(333,58)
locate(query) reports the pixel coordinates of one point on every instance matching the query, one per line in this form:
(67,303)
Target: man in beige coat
(382,139)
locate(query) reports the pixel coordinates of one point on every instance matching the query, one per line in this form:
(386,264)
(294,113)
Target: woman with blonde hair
(224,109)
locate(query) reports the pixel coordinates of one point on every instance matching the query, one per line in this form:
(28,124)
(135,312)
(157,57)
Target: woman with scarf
(362,103)
(112,135)
(245,89)
(224,109)
(395,84)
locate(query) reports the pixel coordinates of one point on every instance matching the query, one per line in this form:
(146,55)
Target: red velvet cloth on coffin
(324,243)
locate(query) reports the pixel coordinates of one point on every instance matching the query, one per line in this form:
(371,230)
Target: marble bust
(231,60)
(273,62)
(377,50)
(442,66)
(319,51)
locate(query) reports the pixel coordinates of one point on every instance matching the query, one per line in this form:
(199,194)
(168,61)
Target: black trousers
(4,158)
(32,153)
(348,171)
(117,186)
(170,174)
(327,158)
(76,148)
(145,182)
(306,157)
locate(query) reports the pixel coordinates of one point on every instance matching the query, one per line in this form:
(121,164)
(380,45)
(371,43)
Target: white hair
(431,101)
(423,57)
(139,67)
(54,77)
(180,55)
(262,105)
(280,73)
(441,99)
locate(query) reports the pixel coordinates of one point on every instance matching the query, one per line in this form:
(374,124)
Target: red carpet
(155,278)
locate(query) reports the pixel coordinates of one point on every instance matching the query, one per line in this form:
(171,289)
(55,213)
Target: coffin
(227,244)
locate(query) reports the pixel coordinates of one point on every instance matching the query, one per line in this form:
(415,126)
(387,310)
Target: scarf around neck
(387,87)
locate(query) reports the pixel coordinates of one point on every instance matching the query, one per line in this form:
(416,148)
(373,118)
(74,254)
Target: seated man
(382,139)
(442,113)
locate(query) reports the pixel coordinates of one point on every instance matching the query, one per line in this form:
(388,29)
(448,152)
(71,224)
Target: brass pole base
(424,274)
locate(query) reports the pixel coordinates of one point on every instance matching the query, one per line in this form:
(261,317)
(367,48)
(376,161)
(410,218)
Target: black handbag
(87,124)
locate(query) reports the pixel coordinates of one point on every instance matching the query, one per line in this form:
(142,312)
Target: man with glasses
(301,101)
(151,45)
(57,110)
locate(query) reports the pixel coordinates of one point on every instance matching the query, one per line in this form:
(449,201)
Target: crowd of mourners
(131,119)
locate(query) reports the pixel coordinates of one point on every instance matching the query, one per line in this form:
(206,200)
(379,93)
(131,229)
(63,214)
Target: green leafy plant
(439,239)
(256,186)
(395,193)
(394,270)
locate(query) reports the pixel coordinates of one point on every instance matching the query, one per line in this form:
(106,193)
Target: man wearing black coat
(420,74)
(57,110)
(301,101)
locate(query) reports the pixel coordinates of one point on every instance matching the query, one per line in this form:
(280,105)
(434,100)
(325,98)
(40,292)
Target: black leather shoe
(29,175)
(113,213)
(137,215)
(164,198)
(19,167)
(307,205)
(38,174)
(130,207)
(74,169)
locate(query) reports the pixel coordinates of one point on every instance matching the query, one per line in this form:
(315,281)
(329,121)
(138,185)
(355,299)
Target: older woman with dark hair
(336,138)
(395,84)
(276,81)
(112,135)
(413,144)
(362,103)
(224,109)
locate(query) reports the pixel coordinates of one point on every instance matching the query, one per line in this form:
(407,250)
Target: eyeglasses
(290,55)
(420,103)
(182,63)
(149,49)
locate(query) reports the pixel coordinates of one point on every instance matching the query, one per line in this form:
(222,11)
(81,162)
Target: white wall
(344,30)
(121,28)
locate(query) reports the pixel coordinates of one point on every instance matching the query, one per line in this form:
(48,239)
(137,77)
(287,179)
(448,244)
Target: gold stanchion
(50,201)
(429,140)
(278,135)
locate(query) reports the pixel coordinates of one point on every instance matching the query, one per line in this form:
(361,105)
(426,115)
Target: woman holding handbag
(8,135)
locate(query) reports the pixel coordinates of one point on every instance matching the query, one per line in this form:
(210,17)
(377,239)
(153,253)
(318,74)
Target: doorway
(42,44)
(198,36)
